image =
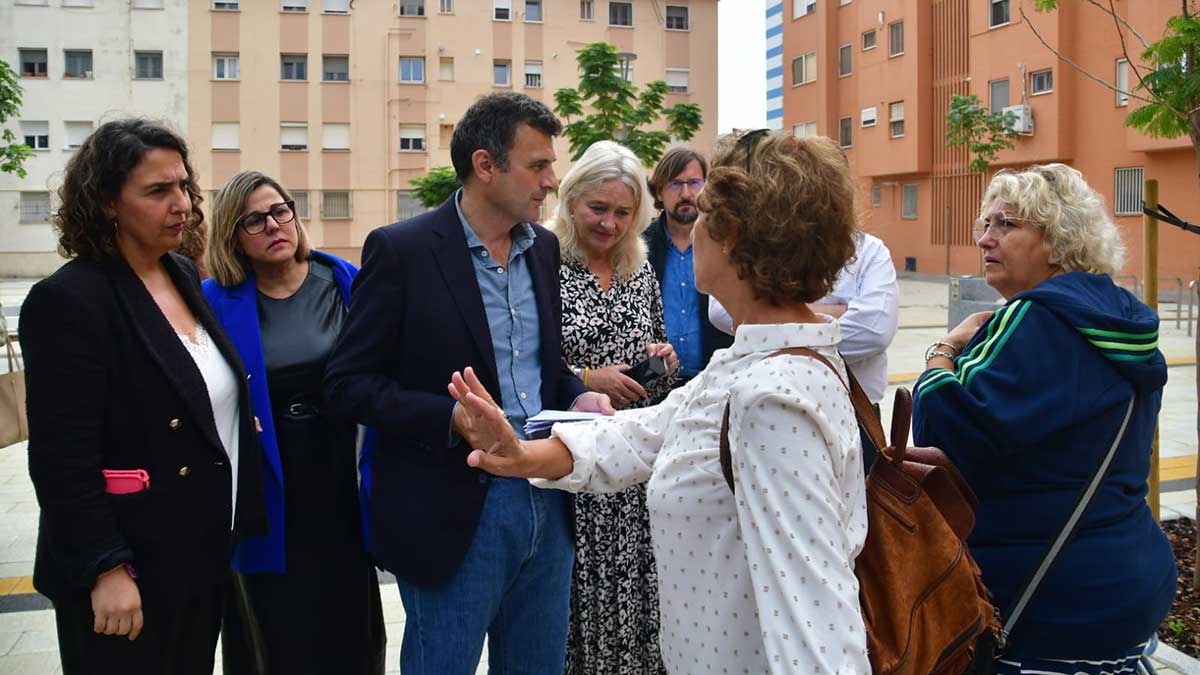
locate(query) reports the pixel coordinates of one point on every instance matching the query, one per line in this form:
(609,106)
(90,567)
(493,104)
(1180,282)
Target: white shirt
(223,396)
(867,286)
(764,581)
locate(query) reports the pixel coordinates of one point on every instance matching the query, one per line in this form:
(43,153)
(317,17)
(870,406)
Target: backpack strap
(868,421)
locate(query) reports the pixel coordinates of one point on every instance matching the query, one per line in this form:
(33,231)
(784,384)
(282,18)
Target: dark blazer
(656,244)
(110,386)
(416,316)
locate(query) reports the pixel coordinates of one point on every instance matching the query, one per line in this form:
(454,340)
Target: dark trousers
(179,636)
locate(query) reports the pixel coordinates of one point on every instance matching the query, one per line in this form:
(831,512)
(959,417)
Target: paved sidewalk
(28,645)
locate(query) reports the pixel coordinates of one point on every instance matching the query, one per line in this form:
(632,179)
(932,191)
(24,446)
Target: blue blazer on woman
(236,307)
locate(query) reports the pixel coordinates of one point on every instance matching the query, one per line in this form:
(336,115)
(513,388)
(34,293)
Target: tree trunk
(1195,134)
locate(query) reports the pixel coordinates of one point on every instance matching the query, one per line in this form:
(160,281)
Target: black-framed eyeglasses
(256,221)
(748,140)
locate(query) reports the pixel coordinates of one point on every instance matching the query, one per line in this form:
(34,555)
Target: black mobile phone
(649,371)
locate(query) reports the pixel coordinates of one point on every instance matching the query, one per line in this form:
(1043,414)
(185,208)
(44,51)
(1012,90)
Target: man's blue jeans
(513,586)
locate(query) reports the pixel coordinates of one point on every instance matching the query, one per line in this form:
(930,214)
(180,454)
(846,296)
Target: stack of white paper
(539,425)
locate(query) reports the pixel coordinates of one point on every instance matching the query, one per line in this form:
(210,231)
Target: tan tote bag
(14,427)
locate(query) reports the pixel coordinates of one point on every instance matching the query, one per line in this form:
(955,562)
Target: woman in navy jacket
(311,588)
(1028,400)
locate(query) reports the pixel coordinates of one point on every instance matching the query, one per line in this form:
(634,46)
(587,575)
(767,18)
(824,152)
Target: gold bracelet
(586,371)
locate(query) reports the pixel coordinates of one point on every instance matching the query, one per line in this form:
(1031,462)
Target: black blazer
(110,386)
(416,316)
(711,339)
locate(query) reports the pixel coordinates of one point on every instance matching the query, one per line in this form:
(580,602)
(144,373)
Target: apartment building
(81,62)
(877,75)
(346,102)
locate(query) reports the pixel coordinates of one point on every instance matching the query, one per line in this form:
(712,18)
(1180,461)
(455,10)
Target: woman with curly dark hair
(138,412)
(762,581)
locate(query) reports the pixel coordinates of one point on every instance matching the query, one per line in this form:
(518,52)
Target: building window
(293,135)
(226,136)
(620,13)
(302,205)
(868,117)
(446,7)
(998,96)
(805,130)
(533,10)
(77,63)
(293,67)
(803,8)
(446,68)
(868,40)
(896,118)
(908,201)
(407,205)
(846,132)
(625,65)
(845,67)
(1122,82)
(225,67)
(412,7)
(533,74)
(677,17)
(147,65)
(412,138)
(226,4)
(804,68)
(36,134)
(1127,191)
(294,6)
(335,205)
(1041,82)
(33,62)
(335,68)
(502,73)
(502,10)
(77,133)
(412,69)
(677,80)
(35,207)
(876,197)
(335,6)
(335,136)
(895,38)
(587,10)
(1000,13)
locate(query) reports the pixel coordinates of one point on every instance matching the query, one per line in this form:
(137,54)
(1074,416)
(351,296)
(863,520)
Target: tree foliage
(618,111)
(984,134)
(12,153)
(435,187)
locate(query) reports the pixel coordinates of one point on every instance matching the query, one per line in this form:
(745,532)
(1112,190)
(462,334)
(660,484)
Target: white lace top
(223,395)
(762,581)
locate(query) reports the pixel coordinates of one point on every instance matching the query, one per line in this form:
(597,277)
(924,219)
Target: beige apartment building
(878,75)
(346,101)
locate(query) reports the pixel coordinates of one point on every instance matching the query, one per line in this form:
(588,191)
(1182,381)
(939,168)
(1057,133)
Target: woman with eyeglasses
(755,566)
(1029,400)
(307,589)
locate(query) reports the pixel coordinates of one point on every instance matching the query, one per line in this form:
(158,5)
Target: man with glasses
(676,184)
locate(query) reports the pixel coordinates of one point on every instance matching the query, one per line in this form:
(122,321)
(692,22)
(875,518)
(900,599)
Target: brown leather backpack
(925,607)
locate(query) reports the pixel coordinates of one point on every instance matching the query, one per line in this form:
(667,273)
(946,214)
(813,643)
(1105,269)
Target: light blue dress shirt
(681,308)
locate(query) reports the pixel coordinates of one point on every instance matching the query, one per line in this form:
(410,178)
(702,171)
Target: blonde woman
(611,319)
(309,580)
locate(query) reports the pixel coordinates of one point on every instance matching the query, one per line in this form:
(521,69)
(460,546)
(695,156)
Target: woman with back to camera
(760,580)
(138,417)
(1027,402)
(312,587)
(612,318)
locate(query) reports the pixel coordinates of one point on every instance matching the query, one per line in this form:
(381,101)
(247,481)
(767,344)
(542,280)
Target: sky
(741,64)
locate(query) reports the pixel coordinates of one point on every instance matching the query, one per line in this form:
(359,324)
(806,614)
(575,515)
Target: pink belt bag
(125,481)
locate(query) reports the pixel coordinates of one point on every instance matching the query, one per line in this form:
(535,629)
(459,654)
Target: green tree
(435,187)
(618,111)
(12,153)
(984,134)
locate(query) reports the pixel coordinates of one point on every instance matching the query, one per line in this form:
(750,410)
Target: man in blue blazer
(472,283)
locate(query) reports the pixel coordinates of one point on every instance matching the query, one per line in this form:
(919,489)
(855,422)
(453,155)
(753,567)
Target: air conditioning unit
(1023,124)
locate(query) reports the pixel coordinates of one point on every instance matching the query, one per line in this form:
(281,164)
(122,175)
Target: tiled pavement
(28,645)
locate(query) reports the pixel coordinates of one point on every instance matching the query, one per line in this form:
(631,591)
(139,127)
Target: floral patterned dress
(614,592)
